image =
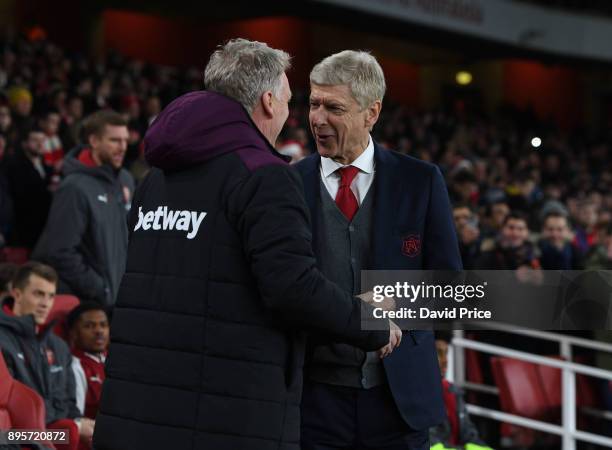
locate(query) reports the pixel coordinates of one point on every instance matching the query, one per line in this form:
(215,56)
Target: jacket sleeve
(70,387)
(271,215)
(441,247)
(60,244)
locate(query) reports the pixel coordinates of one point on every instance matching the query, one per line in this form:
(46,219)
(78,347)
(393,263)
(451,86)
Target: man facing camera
(89,337)
(85,237)
(371,209)
(35,356)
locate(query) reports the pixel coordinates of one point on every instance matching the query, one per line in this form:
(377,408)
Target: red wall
(179,42)
(553,91)
(403,81)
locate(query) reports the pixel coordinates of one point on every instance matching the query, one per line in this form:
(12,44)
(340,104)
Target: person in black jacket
(85,238)
(207,343)
(28,180)
(34,355)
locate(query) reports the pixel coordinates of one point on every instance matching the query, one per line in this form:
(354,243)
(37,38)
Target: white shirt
(362,181)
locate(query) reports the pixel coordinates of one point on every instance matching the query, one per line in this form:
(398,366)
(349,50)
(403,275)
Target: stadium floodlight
(463,77)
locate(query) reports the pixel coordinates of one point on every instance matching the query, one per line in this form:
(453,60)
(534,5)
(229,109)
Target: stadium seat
(520,393)
(17,255)
(20,406)
(473,364)
(520,388)
(550,378)
(62,305)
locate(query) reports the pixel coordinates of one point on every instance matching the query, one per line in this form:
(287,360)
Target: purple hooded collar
(199,126)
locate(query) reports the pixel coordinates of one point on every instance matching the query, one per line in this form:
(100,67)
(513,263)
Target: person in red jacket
(457,431)
(89,339)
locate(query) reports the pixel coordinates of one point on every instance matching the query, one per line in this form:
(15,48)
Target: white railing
(568,431)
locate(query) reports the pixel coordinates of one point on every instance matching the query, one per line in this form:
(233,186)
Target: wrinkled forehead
(340,93)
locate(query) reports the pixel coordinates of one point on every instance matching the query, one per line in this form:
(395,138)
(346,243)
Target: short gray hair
(358,70)
(244,70)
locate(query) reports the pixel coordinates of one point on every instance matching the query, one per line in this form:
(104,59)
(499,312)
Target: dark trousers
(343,418)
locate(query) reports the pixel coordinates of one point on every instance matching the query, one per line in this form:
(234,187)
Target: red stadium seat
(17,255)
(473,369)
(20,406)
(520,393)
(473,364)
(62,306)
(520,388)
(551,385)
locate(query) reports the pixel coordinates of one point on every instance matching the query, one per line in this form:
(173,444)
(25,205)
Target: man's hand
(86,429)
(395,337)
(387,304)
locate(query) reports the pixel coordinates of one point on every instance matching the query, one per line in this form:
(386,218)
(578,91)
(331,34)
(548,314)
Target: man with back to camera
(371,209)
(85,238)
(207,348)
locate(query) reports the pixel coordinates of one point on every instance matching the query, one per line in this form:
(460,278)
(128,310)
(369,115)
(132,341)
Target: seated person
(88,329)
(35,356)
(557,251)
(457,431)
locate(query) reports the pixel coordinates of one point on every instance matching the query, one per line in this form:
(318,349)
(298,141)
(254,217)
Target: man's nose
(318,117)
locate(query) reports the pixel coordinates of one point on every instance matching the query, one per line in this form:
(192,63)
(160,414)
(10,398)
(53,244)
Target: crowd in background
(489,161)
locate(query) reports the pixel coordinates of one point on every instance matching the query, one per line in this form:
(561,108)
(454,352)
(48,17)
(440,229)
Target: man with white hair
(207,348)
(371,209)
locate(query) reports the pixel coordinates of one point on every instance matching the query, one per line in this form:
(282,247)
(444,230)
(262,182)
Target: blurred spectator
(599,256)
(88,327)
(20,101)
(28,180)
(524,196)
(294,145)
(466,224)
(464,188)
(586,231)
(35,356)
(495,216)
(71,125)
(152,109)
(7,129)
(556,249)
(512,249)
(458,429)
(53,148)
(89,249)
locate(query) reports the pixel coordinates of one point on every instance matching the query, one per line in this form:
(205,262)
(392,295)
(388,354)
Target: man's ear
(266,104)
(93,140)
(373,112)
(15,293)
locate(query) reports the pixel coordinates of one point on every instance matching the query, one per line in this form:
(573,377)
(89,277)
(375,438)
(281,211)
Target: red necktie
(345,199)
